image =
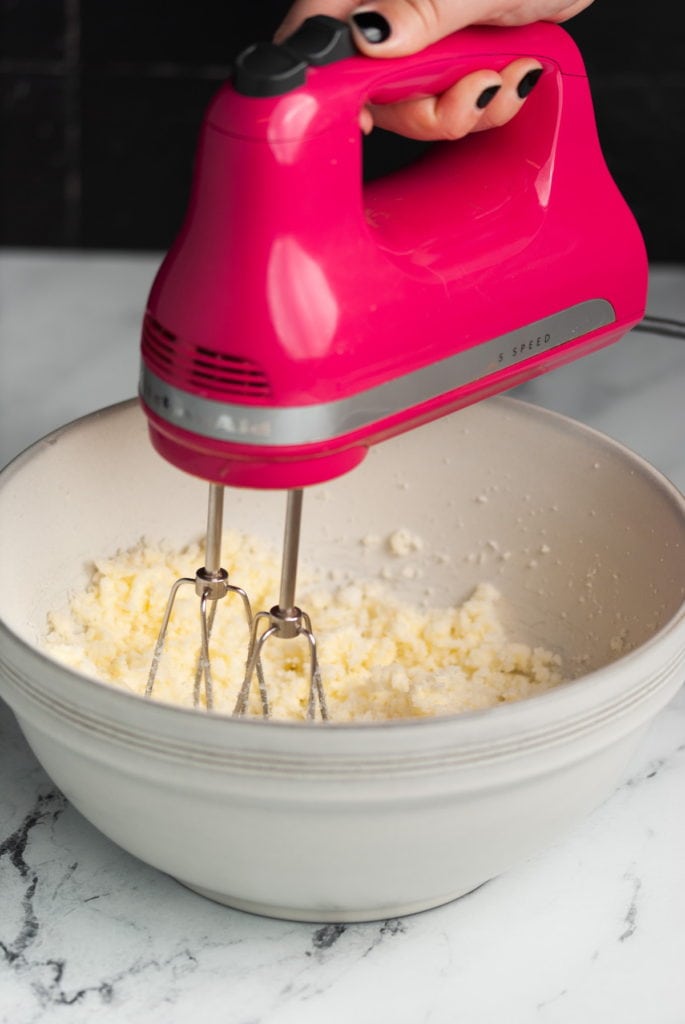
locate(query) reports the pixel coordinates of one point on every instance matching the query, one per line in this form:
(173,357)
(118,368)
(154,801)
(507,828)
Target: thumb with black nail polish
(373,26)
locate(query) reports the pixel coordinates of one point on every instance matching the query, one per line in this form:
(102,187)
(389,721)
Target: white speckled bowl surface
(331,822)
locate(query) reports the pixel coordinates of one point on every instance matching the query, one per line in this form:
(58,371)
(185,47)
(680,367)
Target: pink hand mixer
(301,316)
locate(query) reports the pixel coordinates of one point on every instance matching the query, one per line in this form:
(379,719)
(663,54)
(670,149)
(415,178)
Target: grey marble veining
(588,930)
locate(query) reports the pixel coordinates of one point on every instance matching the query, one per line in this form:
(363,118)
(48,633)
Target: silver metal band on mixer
(279,426)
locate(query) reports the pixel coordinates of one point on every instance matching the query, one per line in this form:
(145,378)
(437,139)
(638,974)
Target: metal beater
(285,621)
(211,584)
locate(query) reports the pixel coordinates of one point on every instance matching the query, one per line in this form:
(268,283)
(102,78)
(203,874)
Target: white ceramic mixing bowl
(330,822)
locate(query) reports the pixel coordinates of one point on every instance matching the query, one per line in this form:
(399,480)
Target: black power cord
(661,325)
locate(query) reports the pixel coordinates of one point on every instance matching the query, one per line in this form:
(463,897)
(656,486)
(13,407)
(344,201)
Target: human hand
(394,28)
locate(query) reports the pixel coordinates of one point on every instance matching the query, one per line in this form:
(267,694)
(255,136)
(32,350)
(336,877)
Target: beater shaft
(291,548)
(215,518)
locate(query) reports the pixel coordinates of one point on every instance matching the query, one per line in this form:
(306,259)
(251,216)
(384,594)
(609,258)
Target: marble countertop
(588,930)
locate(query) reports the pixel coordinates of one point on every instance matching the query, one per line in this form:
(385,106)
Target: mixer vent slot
(231,374)
(158,345)
(201,367)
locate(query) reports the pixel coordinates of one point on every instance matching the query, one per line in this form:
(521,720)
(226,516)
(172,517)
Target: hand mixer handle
(269,70)
(303,100)
(278,181)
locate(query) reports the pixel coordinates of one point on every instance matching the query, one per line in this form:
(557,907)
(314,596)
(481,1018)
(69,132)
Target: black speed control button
(322,40)
(265,69)
(268,69)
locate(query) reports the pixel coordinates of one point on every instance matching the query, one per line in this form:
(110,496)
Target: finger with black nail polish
(528,82)
(487,96)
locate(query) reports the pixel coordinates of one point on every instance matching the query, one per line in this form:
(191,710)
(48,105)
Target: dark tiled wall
(102,99)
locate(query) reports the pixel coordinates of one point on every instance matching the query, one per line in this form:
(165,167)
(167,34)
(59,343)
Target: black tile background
(102,100)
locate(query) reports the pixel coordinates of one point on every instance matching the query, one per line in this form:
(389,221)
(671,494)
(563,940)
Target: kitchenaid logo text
(525,348)
(241,426)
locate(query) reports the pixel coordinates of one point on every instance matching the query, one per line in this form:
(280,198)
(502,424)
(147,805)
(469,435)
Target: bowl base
(311,915)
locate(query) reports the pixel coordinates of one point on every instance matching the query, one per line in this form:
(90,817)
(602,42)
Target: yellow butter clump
(381,657)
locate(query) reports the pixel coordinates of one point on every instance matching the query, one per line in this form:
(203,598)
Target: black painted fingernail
(372,26)
(527,82)
(487,95)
